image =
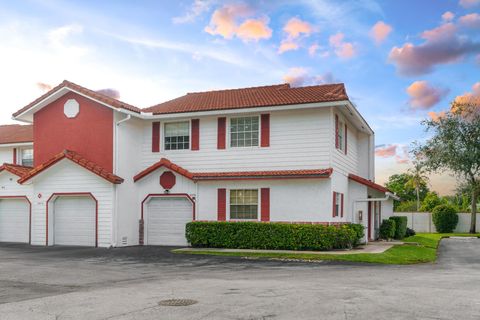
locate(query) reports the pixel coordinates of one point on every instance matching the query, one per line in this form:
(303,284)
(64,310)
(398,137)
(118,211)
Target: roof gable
(66,86)
(266,96)
(367,183)
(15,169)
(76,158)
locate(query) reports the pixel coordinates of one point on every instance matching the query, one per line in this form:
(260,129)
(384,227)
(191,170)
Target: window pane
(177,135)
(244,132)
(27,157)
(244,204)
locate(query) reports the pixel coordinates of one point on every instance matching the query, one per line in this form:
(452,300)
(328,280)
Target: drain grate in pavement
(177,302)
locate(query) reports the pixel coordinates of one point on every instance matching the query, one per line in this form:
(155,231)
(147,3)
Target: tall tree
(398,183)
(455,147)
(417,179)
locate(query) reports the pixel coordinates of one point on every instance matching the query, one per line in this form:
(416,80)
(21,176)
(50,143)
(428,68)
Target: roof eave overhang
(16,144)
(265,177)
(27,115)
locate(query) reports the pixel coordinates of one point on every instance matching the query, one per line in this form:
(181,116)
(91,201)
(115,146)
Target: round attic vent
(71,108)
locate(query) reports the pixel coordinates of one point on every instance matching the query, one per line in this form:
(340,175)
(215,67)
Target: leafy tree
(455,147)
(417,179)
(398,184)
(431,201)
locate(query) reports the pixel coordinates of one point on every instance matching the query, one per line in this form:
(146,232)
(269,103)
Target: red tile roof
(368,183)
(265,96)
(78,159)
(15,169)
(276,174)
(16,133)
(90,93)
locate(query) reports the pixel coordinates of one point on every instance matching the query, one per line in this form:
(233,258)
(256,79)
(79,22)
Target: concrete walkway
(371,247)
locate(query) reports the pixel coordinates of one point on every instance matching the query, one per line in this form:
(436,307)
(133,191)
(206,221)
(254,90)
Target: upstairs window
(27,157)
(244,204)
(177,135)
(244,132)
(341,136)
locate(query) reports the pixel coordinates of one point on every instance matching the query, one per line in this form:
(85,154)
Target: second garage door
(14,220)
(74,221)
(165,221)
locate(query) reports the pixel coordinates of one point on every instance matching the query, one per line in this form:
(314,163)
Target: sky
(401,61)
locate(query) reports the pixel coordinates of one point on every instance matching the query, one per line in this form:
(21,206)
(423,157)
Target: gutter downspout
(115,201)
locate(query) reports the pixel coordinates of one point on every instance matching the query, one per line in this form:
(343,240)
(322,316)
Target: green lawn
(423,248)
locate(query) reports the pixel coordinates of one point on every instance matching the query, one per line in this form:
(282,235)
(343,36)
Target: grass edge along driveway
(420,248)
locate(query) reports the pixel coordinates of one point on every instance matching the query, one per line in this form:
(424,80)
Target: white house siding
(357,191)
(298,140)
(6,155)
(68,177)
(290,200)
(344,163)
(10,187)
(128,135)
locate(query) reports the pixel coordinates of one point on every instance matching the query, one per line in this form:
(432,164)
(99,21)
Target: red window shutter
(265,135)
(336,131)
(265,204)
(195,134)
(221,133)
(222,205)
(341,209)
(14,155)
(333,208)
(346,131)
(155,136)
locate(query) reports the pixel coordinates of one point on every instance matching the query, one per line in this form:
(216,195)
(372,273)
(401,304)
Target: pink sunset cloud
(470,97)
(435,116)
(471,20)
(469,3)
(387,151)
(423,95)
(448,16)
(380,31)
(294,30)
(112,93)
(442,45)
(225,22)
(43,86)
(299,76)
(344,50)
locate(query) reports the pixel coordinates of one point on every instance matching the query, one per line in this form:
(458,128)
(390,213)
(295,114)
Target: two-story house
(106,173)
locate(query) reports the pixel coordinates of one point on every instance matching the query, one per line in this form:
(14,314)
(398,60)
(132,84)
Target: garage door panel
(166,219)
(74,221)
(14,220)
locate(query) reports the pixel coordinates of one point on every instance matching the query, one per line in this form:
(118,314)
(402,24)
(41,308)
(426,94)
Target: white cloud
(197,8)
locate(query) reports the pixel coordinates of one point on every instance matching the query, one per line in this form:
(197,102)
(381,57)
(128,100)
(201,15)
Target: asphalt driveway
(80,283)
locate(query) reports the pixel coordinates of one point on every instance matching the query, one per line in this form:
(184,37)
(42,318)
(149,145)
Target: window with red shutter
(265,204)
(195,134)
(265,127)
(221,204)
(155,136)
(221,132)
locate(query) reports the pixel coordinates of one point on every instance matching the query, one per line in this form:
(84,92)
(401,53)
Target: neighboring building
(107,173)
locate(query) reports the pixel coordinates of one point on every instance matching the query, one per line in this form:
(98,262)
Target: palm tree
(417,179)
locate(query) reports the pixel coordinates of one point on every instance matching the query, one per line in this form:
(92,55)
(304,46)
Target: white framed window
(337,205)
(341,136)
(26,157)
(177,135)
(244,204)
(244,131)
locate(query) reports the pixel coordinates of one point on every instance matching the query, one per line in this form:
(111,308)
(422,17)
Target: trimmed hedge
(445,218)
(400,227)
(272,236)
(387,229)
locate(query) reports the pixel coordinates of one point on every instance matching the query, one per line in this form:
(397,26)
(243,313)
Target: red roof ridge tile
(16,169)
(76,158)
(295,173)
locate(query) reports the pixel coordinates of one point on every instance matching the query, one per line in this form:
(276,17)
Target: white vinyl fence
(422,221)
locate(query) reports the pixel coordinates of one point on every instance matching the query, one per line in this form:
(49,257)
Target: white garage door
(165,221)
(14,220)
(74,221)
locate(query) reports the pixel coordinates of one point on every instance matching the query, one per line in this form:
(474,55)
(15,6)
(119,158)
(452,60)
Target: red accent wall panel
(222,205)
(346,135)
(195,134)
(265,135)
(336,131)
(90,132)
(265,204)
(341,201)
(155,136)
(221,133)
(333,204)
(14,156)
